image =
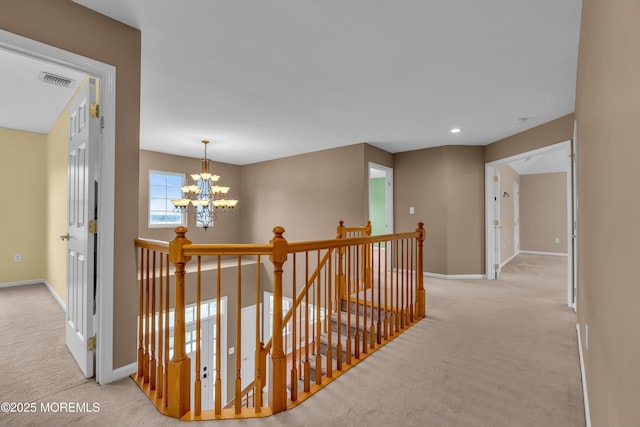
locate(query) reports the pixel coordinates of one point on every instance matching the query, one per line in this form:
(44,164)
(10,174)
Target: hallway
(489,353)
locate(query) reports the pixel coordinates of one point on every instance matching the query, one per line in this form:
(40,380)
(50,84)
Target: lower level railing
(226,337)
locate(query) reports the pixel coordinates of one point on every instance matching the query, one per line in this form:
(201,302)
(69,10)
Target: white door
(248,356)
(83,144)
(381,205)
(207,361)
(573,270)
(496,225)
(516,218)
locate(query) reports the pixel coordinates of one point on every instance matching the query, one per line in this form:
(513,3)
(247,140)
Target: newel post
(179,369)
(278,371)
(421,295)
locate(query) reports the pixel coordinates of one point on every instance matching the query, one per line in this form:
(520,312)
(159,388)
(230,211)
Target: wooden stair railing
(342,233)
(362,291)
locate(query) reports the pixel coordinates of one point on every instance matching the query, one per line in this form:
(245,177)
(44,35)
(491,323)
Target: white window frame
(183,216)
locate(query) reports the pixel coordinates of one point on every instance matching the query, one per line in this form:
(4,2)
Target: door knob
(64,237)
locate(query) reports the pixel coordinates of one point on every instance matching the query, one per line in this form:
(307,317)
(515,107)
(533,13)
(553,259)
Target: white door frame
(106,172)
(388,173)
(516,218)
(573,222)
(491,193)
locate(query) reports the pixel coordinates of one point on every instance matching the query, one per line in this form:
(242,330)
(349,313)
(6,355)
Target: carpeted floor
(489,353)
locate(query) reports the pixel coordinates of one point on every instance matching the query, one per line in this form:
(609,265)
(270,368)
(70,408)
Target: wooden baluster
(180,364)
(318,306)
(403,284)
(197,385)
(365,286)
(412,280)
(152,361)
(407,276)
(372,328)
(294,368)
(165,391)
(259,346)
(218,386)
(141,318)
(147,324)
(397,307)
(300,329)
(238,401)
(312,319)
(327,317)
(356,338)
(339,288)
(385,326)
(278,383)
(348,300)
(420,293)
(161,313)
(379,325)
(307,365)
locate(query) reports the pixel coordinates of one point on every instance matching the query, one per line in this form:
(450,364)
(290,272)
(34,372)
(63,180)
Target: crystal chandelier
(205,197)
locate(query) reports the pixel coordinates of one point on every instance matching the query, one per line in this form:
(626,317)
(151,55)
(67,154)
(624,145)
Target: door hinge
(496,222)
(94,111)
(91,343)
(496,267)
(93,226)
(495,179)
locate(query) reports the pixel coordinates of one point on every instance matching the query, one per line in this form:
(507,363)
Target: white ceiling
(27,103)
(267,79)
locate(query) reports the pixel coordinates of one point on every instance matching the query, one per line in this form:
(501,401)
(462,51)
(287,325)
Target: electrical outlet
(412,210)
(557,240)
(17,257)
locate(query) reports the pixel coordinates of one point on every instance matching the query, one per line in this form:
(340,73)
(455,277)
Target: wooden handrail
(154,245)
(348,273)
(301,294)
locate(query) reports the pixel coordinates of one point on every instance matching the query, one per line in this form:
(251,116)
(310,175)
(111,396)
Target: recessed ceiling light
(455,130)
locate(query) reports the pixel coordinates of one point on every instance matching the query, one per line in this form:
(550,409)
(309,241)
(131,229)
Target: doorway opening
(105,165)
(380,199)
(209,319)
(504,229)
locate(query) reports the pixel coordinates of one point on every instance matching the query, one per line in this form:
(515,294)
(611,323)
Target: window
(164,187)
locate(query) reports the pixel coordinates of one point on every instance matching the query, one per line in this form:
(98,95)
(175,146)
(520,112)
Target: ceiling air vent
(56,80)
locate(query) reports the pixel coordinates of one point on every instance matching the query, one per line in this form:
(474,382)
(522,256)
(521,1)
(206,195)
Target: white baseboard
(544,253)
(22,283)
(37,282)
(455,276)
(55,296)
(509,259)
(119,373)
(587,412)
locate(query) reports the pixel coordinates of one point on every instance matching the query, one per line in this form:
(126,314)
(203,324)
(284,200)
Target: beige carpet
(490,353)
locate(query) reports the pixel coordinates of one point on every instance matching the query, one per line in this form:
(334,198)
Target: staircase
(357,330)
(353,294)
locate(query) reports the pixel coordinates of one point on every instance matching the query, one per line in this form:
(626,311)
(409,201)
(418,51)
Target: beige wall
(22,223)
(306,194)
(227,226)
(445,185)
(507,211)
(67,25)
(607,111)
(543,212)
(553,132)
